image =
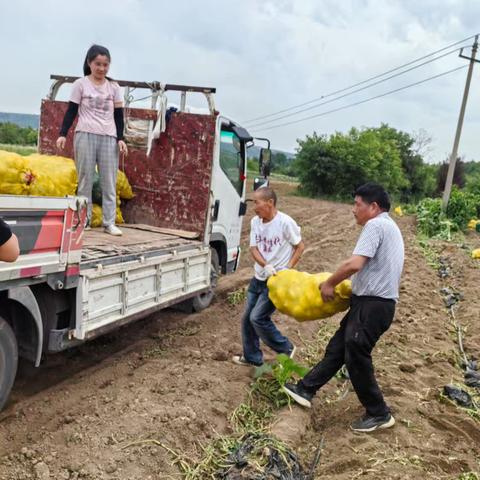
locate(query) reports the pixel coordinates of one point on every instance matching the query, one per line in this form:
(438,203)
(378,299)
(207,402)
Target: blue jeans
(257,325)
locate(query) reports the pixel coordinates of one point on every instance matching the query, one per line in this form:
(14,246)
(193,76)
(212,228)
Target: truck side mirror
(265,163)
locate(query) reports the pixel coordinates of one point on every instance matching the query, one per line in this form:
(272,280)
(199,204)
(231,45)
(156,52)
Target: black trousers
(352,345)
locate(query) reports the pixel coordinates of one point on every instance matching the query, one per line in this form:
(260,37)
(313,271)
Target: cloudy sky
(262,56)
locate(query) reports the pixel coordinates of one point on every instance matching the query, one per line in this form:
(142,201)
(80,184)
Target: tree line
(13,134)
(335,165)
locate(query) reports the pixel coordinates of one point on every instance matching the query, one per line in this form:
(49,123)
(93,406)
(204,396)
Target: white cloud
(262,56)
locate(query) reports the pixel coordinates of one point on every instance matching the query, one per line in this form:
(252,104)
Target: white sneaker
(113,230)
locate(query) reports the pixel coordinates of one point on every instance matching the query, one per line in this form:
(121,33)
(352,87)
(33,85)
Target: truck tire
(202,301)
(8,360)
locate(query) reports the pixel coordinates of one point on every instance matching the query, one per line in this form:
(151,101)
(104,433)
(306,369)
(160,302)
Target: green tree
(336,165)
(420,182)
(13,134)
(458,175)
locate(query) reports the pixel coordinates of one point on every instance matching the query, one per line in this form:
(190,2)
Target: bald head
(265,194)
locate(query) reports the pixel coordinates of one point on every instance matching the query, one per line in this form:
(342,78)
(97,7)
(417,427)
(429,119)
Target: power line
(359,83)
(366,100)
(352,92)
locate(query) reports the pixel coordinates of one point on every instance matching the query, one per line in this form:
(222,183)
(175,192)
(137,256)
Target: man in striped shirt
(376,265)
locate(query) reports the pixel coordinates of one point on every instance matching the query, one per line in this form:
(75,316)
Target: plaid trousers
(91,149)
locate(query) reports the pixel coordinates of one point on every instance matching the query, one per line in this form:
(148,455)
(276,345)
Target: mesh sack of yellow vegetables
(20,176)
(42,175)
(124,189)
(14,174)
(59,170)
(297,295)
(96,220)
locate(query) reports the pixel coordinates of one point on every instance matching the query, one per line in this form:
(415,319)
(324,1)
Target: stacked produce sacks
(52,176)
(297,295)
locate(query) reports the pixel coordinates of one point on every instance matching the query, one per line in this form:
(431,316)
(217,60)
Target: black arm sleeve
(69,117)
(5,232)
(119,124)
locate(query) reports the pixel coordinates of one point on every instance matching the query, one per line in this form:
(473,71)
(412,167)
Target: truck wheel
(8,360)
(202,301)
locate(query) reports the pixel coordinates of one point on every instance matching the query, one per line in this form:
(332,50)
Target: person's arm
(297,253)
(68,120)
(118,118)
(350,266)
(257,256)
(9,251)
(119,122)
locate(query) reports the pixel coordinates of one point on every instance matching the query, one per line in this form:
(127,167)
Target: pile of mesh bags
(297,295)
(53,176)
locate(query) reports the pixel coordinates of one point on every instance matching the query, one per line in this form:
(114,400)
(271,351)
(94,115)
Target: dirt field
(169,378)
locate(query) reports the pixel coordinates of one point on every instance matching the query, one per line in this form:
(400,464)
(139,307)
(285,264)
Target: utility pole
(453,156)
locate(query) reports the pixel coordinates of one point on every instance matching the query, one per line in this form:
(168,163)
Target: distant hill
(254,152)
(20,119)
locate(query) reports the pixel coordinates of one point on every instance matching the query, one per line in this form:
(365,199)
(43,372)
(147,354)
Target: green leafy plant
(237,296)
(462,207)
(469,476)
(283,369)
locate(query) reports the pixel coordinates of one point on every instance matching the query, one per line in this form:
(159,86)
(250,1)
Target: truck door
(228,186)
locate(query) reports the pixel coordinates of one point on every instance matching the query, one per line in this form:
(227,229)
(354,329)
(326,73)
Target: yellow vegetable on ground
(476,253)
(297,295)
(398,211)
(473,223)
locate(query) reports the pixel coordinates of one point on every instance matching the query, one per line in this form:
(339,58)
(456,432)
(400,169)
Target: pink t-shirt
(96,104)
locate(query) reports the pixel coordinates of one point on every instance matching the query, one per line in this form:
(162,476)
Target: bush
(462,207)
(433,222)
(335,165)
(13,134)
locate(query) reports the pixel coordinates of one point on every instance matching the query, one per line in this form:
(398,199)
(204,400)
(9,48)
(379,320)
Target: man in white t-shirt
(275,244)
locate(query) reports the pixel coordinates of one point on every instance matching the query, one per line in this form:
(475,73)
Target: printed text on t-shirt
(265,244)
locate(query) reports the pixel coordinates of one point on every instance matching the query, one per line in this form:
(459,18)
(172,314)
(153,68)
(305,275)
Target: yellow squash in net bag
(97,216)
(46,175)
(297,295)
(124,189)
(36,174)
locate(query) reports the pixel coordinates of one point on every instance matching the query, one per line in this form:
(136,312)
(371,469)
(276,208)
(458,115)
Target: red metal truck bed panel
(172,183)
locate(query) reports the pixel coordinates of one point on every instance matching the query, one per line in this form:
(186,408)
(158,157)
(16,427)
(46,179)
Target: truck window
(231,159)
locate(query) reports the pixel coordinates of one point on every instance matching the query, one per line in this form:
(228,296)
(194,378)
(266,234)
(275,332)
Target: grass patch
(469,476)
(312,348)
(429,252)
(237,296)
(20,149)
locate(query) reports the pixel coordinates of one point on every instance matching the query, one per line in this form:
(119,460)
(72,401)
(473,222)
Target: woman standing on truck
(99,133)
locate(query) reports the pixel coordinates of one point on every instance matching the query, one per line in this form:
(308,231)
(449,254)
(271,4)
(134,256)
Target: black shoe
(369,424)
(299,394)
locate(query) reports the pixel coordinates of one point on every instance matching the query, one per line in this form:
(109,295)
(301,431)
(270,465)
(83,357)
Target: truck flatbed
(137,240)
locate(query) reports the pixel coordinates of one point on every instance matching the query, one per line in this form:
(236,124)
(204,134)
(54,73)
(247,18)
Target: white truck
(188,173)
